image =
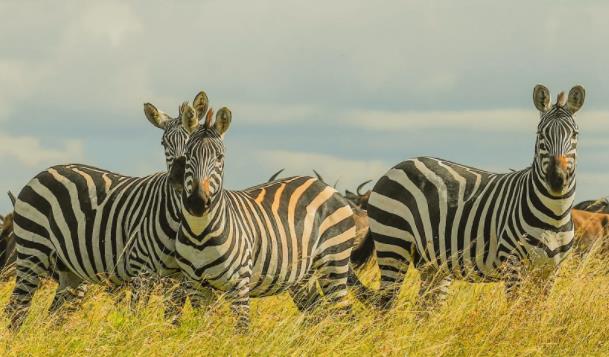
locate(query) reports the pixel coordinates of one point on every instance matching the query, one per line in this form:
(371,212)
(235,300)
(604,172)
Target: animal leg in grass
(200,296)
(513,270)
(393,271)
(141,288)
(174,295)
(433,290)
(30,269)
(305,295)
(69,294)
(240,300)
(333,272)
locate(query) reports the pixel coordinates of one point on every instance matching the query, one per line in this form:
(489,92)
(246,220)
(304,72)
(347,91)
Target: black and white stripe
(288,234)
(455,221)
(86,224)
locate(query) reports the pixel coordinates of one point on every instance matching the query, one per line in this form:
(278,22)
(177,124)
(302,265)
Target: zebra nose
(561,162)
(558,174)
(199,199)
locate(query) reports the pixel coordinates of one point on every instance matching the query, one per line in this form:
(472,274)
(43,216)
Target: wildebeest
(601,205)
(589,228)
(7,244)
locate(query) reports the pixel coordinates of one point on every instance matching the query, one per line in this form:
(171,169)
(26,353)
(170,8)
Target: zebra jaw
(197,224)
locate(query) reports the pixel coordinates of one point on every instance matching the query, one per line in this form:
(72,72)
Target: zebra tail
(361,254)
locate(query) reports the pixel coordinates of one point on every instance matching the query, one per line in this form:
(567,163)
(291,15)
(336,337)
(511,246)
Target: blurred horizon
(348,88)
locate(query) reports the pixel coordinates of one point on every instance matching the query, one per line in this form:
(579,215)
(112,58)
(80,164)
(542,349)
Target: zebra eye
(220,157)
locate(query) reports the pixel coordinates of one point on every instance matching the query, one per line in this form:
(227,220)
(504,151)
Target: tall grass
(476,321)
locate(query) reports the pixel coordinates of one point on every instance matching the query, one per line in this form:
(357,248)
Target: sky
(349,88)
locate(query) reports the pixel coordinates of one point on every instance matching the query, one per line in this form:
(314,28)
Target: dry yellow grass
(476,321)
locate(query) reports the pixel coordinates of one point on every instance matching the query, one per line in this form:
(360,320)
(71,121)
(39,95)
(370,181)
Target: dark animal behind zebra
(8,255)
(455,221)
(289,234)
(87,224)
(599,206)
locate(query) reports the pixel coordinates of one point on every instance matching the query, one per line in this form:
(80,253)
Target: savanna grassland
(476,321)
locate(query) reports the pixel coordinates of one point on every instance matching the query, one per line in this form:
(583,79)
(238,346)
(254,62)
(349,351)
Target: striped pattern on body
(284,235)
(455,221)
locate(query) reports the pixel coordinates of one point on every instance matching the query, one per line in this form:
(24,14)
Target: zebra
(458,222)
(90,225)
(288,234)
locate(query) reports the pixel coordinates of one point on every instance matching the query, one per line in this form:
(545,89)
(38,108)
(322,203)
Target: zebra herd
(83,225)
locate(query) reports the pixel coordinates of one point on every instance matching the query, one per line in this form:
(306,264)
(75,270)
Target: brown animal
(7,244)
(358,198)
(589,228)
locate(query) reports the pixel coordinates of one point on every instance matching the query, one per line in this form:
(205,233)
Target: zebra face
(175,134)
(204,165)
(556,144)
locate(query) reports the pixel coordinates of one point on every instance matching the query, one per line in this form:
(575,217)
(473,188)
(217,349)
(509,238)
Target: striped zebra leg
(513,271)
(199,297)
(30,269)
(305,295)
(174,296)
(433,290)
(393,261)
(71,291)
(141,289)
(240,296)
(332,265)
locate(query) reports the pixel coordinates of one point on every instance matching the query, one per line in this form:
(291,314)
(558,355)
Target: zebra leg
(433,291)
(305,295)
(199,297)
(393,271)
(333,272)
(71,290)
(141,288)
(30,269)
(174,301)
(513,277)
(240,296)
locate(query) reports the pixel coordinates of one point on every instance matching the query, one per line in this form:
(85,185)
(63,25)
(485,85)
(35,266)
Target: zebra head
(175,135)
(555,147)
(204,161)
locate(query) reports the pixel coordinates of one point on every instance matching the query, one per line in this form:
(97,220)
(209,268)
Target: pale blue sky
(348,87)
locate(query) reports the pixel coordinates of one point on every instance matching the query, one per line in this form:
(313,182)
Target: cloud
(499,120)
(29,151)
(348,172)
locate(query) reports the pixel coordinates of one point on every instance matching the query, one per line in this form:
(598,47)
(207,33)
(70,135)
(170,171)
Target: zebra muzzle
(198,201)
(558,174)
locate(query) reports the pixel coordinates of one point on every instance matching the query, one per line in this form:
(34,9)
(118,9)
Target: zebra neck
(172,202)
(538,190)
(216,215)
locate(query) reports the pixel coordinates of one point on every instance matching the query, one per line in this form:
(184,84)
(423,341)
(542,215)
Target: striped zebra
(289,234)
(85,224)
(455,221)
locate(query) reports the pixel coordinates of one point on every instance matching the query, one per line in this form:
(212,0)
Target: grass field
(476,321)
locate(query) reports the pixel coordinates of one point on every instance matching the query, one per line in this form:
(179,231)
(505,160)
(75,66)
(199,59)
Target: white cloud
(483,120)
(349,173)
(30,152)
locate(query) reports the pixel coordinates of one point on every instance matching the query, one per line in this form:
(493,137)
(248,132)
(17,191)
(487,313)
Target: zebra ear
(200,104)
(576,98)
(176,173)
(541,98)
(190,122)
(223,119)
(154,116)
